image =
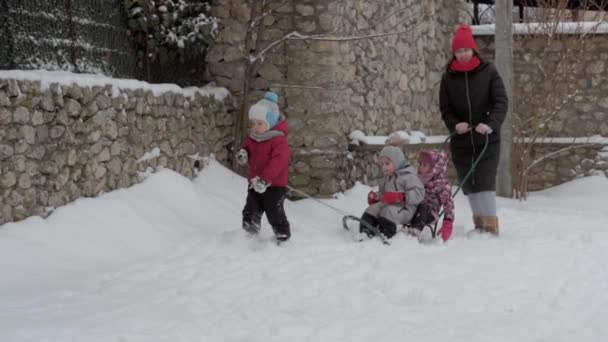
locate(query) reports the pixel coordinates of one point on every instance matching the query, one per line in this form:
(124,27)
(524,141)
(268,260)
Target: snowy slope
(166,261)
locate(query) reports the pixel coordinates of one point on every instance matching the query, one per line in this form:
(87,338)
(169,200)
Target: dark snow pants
(387,227)
(270,202)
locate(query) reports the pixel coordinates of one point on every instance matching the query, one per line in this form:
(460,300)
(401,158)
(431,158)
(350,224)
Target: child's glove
(372,197)
(483,129)
(241,157)
(392,197)
(259,185)
(446,230)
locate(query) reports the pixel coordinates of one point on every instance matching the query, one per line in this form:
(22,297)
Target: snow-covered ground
(166,260)
(47,78)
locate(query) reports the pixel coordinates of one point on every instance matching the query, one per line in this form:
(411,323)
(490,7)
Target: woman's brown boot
(490,224)
(478,223)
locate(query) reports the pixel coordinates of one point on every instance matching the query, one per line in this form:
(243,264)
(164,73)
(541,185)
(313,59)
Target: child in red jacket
(266,154)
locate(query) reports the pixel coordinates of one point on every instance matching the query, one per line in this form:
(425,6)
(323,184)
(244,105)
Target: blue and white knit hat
(267,110)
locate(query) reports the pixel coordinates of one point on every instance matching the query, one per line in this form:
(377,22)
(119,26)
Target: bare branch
(294,35)
(346,38)
(270,47)
(554,153)
(380,21)
(563,41)
(276,85)
(548,117)
(265,12)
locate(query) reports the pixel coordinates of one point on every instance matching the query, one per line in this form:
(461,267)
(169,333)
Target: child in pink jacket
(432,170)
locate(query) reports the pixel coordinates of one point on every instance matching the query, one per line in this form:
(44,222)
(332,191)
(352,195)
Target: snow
(487,13)
(166,260)
(401,134)
(155,153)
(418,137)
(413,137)
(47,78)
(589,27)
(594,139)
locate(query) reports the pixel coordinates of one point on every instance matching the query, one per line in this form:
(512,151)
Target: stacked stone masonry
(585,112)
(330,88)
(361,163)
(573,82)
(69,141)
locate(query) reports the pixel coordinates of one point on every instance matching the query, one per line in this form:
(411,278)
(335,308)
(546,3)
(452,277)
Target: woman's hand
(483,129)
(462,127)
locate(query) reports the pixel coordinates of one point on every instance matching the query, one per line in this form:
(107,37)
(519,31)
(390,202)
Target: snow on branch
(588,27)
(396,138)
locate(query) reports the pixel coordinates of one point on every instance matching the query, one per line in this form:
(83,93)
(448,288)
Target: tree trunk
(503,40)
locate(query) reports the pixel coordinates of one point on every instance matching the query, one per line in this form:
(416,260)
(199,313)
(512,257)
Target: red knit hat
(463,38)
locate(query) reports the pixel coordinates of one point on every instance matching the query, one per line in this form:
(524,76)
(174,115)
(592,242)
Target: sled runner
(374,229)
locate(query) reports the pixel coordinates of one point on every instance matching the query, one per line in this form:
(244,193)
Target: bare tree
(561,46)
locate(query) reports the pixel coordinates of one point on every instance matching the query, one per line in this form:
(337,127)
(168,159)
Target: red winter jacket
(269,159)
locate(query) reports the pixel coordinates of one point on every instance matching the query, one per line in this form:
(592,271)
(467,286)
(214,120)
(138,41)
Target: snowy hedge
(170,30)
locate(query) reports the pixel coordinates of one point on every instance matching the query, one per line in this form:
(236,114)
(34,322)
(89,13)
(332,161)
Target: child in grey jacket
(398,196)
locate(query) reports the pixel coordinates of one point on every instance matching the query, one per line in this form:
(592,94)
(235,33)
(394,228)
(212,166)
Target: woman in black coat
(473,104)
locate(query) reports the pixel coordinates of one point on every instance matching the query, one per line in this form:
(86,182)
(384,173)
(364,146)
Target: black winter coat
(474,97)
(477,96)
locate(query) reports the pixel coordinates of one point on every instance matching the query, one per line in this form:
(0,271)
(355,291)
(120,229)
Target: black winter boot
(387,227)
(370,220)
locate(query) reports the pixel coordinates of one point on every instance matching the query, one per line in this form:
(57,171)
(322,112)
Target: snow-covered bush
(170,30)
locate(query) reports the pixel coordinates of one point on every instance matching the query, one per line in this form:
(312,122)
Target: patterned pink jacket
(438,190)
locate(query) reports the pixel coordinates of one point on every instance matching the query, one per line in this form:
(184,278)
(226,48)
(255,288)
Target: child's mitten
(372,197)
(446,230)
(241,157)
(393,197)
(259,185)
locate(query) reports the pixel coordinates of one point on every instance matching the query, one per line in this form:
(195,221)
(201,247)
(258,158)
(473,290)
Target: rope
(433,228)
(461,183)
(338,210)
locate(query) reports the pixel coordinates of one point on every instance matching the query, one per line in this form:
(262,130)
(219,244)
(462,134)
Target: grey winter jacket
(403,180)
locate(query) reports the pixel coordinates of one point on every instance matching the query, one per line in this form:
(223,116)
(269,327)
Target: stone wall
(582,160)
(586,77)
(330,88)
(65,141)
(578,82)
(365,165)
